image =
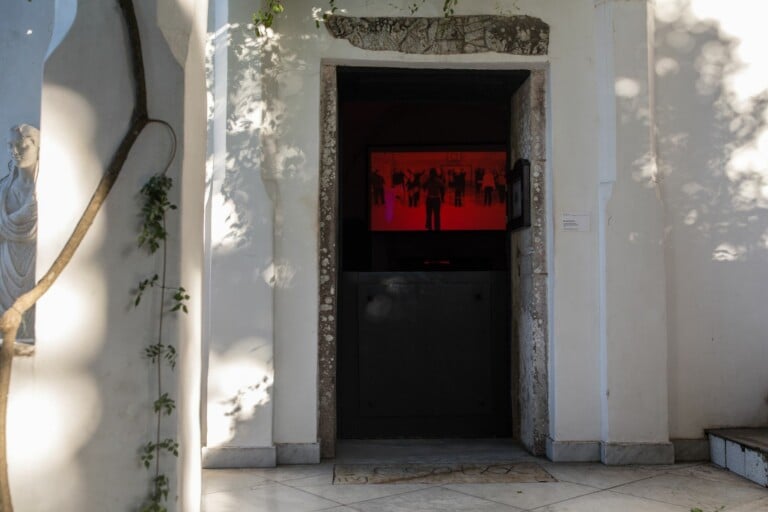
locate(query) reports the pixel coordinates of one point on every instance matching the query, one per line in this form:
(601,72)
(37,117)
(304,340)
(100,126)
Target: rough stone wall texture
(517,35)
(328,264)
(529,272)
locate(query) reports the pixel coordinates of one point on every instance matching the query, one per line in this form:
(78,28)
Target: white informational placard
(575,221)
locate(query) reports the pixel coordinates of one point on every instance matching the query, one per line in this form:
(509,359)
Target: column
(633,330)
(239,268)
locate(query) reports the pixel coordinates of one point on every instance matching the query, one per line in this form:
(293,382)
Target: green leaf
(155,203)
(171,446)
(164,404)
(148,454)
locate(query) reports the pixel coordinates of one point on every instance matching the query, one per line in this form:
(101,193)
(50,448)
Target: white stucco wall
(286,104)
(712,81)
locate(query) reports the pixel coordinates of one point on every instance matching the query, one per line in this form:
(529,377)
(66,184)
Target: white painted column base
(620,454)
(227,457)
(683,450)
(573,451)
(298,453)
(262,456)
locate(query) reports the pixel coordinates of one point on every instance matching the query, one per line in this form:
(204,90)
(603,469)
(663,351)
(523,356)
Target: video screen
(438,190)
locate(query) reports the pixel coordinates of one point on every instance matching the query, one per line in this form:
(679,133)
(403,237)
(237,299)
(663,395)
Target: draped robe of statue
(18,243)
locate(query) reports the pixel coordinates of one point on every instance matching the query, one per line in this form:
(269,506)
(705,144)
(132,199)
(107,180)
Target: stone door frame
(530,276)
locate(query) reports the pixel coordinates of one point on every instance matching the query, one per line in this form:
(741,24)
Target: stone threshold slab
(476,473)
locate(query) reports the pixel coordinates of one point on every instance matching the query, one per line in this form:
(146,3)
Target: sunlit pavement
(588,487)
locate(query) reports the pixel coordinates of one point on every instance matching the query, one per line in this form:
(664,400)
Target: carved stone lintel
(517,35)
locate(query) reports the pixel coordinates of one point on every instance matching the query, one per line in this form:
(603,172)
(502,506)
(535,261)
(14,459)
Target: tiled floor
(580,487)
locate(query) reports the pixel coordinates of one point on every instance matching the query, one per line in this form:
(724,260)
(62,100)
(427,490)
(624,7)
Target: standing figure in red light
(488,186)
(459,185)
(398,184)
(501,186)
(413,184)
(479,172)
(435,190)
(377,183)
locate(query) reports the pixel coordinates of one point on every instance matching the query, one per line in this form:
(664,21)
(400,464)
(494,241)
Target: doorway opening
(424,335)
(428,332)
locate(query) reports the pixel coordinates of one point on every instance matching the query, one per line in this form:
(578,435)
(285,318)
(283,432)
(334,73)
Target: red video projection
(438,190)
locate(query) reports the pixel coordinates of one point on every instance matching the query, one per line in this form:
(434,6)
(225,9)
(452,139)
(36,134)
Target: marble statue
(18,222)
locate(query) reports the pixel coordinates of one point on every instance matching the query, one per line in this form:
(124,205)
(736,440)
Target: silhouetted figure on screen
(398,181)
(435,190)
(377,183)
(501,186)
(413,184)
(459,185)
(488,186)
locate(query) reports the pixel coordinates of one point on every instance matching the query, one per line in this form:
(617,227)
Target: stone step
(743,451)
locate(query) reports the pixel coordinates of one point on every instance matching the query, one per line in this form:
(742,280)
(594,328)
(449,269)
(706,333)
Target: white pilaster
(192,188)
(238,323)
(632,271)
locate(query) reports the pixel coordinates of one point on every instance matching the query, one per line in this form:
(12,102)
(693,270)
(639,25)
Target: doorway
(424,341)
(524,252)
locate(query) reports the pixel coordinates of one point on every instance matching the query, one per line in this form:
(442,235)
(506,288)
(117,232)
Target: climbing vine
(153,237)
(263,18)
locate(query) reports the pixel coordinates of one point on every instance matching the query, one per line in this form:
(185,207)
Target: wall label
(575,222)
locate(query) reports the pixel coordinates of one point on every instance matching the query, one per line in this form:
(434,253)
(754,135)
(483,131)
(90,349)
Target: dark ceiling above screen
(446,189)
(423,110)
(429,85)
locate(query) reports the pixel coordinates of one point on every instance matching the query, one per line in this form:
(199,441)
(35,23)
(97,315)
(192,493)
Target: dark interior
(398,107)
(424,316)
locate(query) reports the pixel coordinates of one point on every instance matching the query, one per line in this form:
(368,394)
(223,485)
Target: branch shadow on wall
(712,118)
(258,176)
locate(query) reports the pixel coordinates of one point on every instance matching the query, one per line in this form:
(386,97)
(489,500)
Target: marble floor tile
(338,509)
(760,505)
(287,473)
(347,494)
(693,492)
(271,497)
(527,495)
(436,499)
(581,487)
(321,479)
(595,474)
(609,501)
(216,480)
(671,467)
(710,472)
